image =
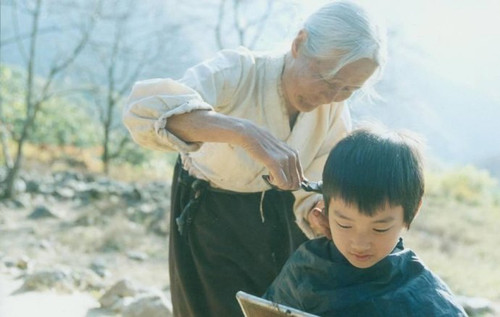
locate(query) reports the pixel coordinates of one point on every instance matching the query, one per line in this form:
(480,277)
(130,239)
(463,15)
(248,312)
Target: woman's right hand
(285,170)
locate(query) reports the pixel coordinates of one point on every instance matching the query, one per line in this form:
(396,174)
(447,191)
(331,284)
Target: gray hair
(345,28)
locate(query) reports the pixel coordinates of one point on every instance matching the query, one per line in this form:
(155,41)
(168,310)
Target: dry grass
(51,158)
(460,242)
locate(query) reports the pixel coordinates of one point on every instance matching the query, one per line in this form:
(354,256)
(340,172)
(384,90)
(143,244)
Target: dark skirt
(225,246)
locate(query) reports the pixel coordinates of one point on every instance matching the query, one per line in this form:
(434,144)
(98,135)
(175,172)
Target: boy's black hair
(371,167)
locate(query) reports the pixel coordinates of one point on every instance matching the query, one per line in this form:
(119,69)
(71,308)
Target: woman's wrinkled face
(306,84)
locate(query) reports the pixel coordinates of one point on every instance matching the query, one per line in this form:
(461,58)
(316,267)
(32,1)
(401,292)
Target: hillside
(459,124)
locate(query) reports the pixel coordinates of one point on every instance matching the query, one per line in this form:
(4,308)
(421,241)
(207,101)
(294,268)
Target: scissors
(308,186)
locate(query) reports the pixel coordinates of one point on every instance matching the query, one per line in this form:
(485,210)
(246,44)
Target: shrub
(466,184)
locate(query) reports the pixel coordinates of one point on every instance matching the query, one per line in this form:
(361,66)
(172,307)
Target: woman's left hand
(319,221)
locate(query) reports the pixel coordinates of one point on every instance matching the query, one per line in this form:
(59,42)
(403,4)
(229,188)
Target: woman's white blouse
(243,84)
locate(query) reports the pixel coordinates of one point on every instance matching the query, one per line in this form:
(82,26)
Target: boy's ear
(298,42)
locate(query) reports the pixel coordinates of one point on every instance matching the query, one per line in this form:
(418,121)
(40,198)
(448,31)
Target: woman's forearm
(208,126)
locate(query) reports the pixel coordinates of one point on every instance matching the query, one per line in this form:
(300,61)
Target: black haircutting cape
(318,279)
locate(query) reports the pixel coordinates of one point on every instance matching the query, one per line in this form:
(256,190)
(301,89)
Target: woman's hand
(282,161)
(319,221)
(285,170)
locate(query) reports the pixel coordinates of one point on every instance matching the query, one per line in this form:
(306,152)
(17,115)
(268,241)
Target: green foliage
(133,154)
(13,97)
(65,122)
(61,121)
(468,185)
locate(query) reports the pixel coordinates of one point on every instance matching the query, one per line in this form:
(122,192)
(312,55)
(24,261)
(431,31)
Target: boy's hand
(319,221)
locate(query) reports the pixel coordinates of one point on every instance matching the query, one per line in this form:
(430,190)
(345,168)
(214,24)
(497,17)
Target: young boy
(372,187)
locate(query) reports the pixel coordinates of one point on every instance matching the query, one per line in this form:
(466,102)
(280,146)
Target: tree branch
(239,28)
(261,23)
(218,27)
(15,24)
(22,37)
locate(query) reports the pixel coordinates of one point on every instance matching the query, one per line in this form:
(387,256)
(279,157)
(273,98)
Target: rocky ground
(74,244)
(79,245)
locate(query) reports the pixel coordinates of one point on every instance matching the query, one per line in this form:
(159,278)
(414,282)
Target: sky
(460,38)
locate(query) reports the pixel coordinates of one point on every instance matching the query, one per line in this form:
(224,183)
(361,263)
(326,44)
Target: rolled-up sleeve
(148,108)
(304,201)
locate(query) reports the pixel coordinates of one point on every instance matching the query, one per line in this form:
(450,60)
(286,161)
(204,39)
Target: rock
(65,192)
(45,244)
(19,186)
(77,186)
(65,176)
(113,298)
(137,256)
(87,280)
(22,200)
(14,203)
(92,216)
(159,223)
(23,263)
(32,186)
(42,212)
(100,268)
(476,306)
(129,300)
(46,188)
(9,261)
(51,200)
(146,208)
(143,213)
(147,305)
(48,280)
(93,191)
(132,195)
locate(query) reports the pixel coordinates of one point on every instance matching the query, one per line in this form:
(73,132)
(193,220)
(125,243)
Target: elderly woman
(235,118)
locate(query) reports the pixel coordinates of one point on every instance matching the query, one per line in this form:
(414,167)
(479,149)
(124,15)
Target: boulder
(476,306)
(148,305)
(114,297)
(137,256)
(42,211)
(56,279)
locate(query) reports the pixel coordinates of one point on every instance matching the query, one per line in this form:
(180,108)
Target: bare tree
(248,28)
(128,49)
(4,129)
(4,136)
(39,92)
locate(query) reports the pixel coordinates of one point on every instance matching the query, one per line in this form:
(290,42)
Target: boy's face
(364,240)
